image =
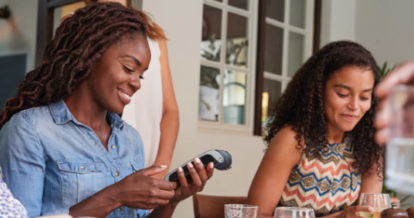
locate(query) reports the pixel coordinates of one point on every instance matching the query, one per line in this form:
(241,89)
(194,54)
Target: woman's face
(348,94)
(116,76)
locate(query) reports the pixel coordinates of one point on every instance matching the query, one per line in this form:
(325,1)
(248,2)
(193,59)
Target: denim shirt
(51,161)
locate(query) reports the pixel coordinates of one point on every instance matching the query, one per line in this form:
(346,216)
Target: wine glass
(240,211)
(294,212)
(377,201)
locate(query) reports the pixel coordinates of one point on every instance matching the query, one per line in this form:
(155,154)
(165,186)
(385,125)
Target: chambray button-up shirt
(51,161)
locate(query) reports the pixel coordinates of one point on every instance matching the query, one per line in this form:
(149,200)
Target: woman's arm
(371,181)
(138,190)
(170,119)
(23,162)
(274,170)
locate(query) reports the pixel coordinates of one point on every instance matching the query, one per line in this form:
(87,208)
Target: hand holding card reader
(220,158)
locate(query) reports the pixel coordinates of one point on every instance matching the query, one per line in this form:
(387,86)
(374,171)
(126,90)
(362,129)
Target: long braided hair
(302,104)
(79,42)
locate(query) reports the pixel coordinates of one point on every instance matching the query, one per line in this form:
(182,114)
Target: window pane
(243,4)
(275,9)
(298,13)
(273,49)
(296,49)
(234,97)
(211,34)
(209,93)
(272,90)
(236,51)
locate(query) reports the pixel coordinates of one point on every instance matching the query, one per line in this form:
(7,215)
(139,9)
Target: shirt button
(113,146)
(82,167)
(116,174)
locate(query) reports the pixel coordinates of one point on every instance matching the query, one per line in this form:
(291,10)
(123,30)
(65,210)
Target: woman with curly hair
(64,148)
(321,150)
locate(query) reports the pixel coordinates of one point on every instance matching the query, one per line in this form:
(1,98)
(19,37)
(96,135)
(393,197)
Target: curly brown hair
(302,104)
(79,42)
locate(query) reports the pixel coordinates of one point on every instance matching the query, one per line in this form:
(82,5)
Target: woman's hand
(354,211)
(141,190)
(199,176)
(403,74)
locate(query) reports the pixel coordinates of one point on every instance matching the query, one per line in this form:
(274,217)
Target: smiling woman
(322,152)
(62,131)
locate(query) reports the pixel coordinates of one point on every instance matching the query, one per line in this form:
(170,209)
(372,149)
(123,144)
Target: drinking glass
(399,159)
(294,212)
(240,211)
(378,202)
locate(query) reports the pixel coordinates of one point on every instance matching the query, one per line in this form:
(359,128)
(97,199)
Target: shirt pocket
(80,180)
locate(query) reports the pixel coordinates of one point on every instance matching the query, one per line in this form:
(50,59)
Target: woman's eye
(127,69)
(341,95)
(141,77)
(363,98)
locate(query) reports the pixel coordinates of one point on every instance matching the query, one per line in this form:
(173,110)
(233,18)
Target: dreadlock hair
(302,104)
(79,42)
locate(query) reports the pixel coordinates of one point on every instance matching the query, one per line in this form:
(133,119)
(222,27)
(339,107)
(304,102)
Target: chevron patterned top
(326,184)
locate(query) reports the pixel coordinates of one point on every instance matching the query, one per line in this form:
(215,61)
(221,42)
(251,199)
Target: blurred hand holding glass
(378,202)
(240,211)
(399,160)
(294,212)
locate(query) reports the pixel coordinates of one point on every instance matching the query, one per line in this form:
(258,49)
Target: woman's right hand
(354,211)
(141,190)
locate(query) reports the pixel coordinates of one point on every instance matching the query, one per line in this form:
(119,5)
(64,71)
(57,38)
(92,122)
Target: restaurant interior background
(213,114)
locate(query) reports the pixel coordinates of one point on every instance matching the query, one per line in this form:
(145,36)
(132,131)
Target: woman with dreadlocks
(321,150)
(64,148)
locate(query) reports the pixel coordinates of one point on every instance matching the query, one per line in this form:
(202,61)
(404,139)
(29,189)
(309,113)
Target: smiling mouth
(125,98)
(349,117)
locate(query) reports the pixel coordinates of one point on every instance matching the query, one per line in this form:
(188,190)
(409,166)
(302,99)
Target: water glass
(399,159)
(294,212)
(240,211)
(378,202)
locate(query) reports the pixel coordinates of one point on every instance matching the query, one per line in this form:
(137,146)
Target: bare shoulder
(286,138)
(285,146)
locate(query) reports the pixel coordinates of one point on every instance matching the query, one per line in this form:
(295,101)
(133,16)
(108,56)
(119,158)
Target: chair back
(210,206)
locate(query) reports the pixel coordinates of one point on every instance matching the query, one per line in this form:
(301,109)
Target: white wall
(181,20)
(383,27)
(386,29)
(338,20)
(18,33)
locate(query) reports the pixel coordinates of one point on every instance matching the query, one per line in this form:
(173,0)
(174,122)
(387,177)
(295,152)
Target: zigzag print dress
(327,184)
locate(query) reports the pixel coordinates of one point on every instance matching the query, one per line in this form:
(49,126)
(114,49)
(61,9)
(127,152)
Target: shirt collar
(61,115)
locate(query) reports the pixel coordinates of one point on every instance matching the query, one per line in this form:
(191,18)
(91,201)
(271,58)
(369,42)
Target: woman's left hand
(199,176)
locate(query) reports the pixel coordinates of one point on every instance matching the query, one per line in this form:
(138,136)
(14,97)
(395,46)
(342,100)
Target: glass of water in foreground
(240,211)
(294,212)
(399,159)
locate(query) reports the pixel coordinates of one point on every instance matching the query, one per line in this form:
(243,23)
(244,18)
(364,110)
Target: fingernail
(180,170)
(211,165)
(190,165)
(197,160)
